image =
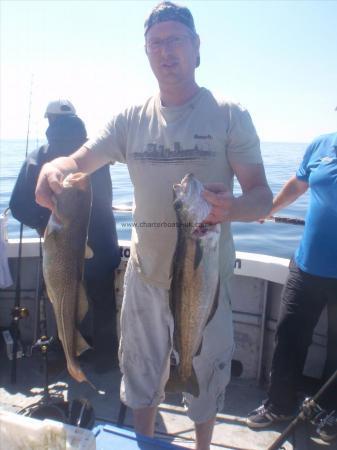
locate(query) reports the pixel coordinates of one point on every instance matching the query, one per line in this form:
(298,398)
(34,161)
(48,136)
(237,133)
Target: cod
(195,280)
(64,251)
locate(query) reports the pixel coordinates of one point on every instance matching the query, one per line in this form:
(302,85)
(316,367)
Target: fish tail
(76,372)
(91,385)
(81,344)
(175,382)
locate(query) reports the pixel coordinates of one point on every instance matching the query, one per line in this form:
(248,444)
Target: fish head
(191,207)
(74,200)
(188,191)
(189,187)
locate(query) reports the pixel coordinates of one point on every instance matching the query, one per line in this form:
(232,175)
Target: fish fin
(92,386)
(215,303)
(198,254)
(81,345)
(191,385)
(177,204)
(49,295)
(54,225)
(82,308)
(88,252)
(77,373)
(199,349)
(176,384)
(83,304)
(211,315)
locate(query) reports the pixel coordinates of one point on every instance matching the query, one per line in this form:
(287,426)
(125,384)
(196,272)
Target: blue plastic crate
(109,437)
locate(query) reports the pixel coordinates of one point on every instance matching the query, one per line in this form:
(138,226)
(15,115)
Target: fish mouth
(187,180)
(79,180)
(203,230)
(186,186)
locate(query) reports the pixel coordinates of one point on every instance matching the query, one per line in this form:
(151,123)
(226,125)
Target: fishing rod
(308,410)
(286,220)
(19,312)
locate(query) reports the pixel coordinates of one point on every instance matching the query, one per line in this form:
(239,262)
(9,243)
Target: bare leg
(203,434)
(144,420)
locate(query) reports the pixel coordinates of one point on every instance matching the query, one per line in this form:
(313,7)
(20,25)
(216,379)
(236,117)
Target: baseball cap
(166,11)
(60,106)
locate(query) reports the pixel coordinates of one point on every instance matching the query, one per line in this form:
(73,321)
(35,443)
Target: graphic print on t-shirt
(159,153)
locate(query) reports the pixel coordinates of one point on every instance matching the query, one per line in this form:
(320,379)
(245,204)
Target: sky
(277,58)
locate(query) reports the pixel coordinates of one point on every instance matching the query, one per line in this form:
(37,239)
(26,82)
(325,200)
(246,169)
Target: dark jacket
(65,135)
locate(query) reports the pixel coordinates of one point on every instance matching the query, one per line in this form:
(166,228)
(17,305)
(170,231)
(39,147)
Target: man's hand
(53,173)
(263,219)
(221,201)
(48,183)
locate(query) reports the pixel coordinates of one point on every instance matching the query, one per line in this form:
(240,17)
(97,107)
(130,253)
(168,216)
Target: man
(311,285)
(65,134)
(157,140)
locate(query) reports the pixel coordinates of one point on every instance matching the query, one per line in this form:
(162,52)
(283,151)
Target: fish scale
(63,263)
(195,282)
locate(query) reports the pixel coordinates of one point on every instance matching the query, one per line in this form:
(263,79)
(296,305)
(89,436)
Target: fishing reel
(311,410)
(19,312)
(43,344)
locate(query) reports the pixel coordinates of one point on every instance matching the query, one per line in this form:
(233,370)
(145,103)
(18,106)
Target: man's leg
(203,434)
(327,421)
(105,341)
(301,308)
(144,423)
(329,398)
(212,367)
(145,348)
(144,420)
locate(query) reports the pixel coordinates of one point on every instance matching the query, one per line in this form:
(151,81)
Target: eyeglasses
(172,42)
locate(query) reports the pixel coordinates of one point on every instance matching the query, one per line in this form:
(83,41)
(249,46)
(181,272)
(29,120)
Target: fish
(194,287)
(64,251)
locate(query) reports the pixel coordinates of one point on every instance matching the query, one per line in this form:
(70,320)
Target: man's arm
(254,203)
(293,189)
(53,173)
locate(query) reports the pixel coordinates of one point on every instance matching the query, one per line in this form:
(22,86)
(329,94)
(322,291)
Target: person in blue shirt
(311,285)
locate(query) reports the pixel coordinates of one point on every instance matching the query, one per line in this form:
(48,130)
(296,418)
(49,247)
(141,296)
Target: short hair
(166,11)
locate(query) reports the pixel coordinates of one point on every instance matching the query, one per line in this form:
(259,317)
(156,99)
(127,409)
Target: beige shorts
(146,346)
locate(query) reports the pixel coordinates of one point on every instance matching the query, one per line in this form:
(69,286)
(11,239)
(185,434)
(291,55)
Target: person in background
(311,285)
(65,134)
(182,129)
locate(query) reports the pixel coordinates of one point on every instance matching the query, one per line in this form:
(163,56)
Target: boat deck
(172,425)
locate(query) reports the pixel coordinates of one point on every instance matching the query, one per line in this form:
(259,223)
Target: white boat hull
(255,290)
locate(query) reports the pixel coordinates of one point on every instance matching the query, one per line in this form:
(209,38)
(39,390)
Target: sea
(276,239)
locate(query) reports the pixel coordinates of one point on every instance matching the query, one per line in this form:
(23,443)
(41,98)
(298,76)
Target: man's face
(172,50)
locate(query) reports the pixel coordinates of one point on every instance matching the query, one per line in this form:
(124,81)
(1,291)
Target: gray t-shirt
(161,145)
